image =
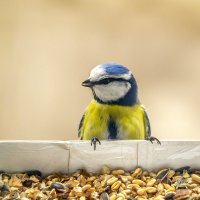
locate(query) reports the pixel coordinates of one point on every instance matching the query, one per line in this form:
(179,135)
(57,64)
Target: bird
(115,112)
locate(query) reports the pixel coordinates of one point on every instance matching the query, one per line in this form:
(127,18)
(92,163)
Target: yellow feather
(129,120)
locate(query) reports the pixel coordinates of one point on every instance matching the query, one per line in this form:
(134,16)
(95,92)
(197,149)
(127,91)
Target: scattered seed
(181,169)
(104,196)
(57,186)
(162,174)
(33,173)
(116,184)
(27,183)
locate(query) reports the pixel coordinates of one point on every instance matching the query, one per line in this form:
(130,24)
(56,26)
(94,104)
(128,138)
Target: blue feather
(112,68)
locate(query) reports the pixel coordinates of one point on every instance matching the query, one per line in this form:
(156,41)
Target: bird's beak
(87,83)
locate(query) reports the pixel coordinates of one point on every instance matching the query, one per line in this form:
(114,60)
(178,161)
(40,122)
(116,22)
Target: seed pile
(168,184)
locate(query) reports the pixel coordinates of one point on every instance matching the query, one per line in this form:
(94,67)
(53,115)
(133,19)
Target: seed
(141,198)
(86,187)
(121,194)
(104,196)
(33,173)
(145,173)
(127,191)
(159,197)
(94,195)
(137,172)
(57,186)
(113,196)
(82,180)
(5,188)
(169,195)
(90,190)
(171,189)
(170,174)
(105,170)
(112,180)
(185,174)
(15,182)
(72,183)
(181,169)
(92,178)
(176,178)
(133,186)
(120,198)
(160,187)
(139,182)
(130,178)
(182,193)
(124,179)
(34,179)
(118,172)
(152,175)
(116,185)
(151,190)
(151,182)
(53,193)
(161,175)
(197,190)
(1,184)
(141,191)
(109,185)
(196,196)
(193,185)
(144,178)
(166,186)
(123,186)
(78,191)
(196,178)
(27,183)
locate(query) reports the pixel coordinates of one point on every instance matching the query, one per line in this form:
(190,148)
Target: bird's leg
(152,139)
(94,141)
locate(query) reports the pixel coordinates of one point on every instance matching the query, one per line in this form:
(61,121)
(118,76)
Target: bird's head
(112,83)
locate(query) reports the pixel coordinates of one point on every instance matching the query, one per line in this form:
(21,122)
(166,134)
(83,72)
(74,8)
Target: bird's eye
(106,81)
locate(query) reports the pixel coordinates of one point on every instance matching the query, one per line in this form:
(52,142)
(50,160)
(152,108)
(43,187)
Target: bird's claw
(152,139)
(94,141)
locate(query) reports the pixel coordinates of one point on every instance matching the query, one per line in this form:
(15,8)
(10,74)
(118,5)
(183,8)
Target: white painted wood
(115,154)
(173,154)
(68,156)
(46,156)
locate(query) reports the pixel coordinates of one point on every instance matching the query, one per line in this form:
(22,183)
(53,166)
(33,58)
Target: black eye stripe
(108,80)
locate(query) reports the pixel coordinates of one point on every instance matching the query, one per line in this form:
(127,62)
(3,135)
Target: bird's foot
(152,139)
(94,141)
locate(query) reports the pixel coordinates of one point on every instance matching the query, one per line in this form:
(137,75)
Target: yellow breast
(129,121)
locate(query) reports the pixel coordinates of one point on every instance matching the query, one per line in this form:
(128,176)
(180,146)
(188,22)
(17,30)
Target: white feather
(112,91)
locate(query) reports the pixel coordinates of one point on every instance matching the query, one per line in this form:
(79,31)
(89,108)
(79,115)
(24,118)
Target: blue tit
(115,112)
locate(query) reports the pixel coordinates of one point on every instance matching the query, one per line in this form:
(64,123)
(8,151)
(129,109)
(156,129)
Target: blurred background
(47,48)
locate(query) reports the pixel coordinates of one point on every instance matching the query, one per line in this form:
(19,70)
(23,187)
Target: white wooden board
(173,154)
(68,156)
(118,154)
(47,156)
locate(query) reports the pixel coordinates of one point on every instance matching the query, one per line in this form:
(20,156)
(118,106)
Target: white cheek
(112,91)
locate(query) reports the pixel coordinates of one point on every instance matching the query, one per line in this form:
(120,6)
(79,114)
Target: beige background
(47,48)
